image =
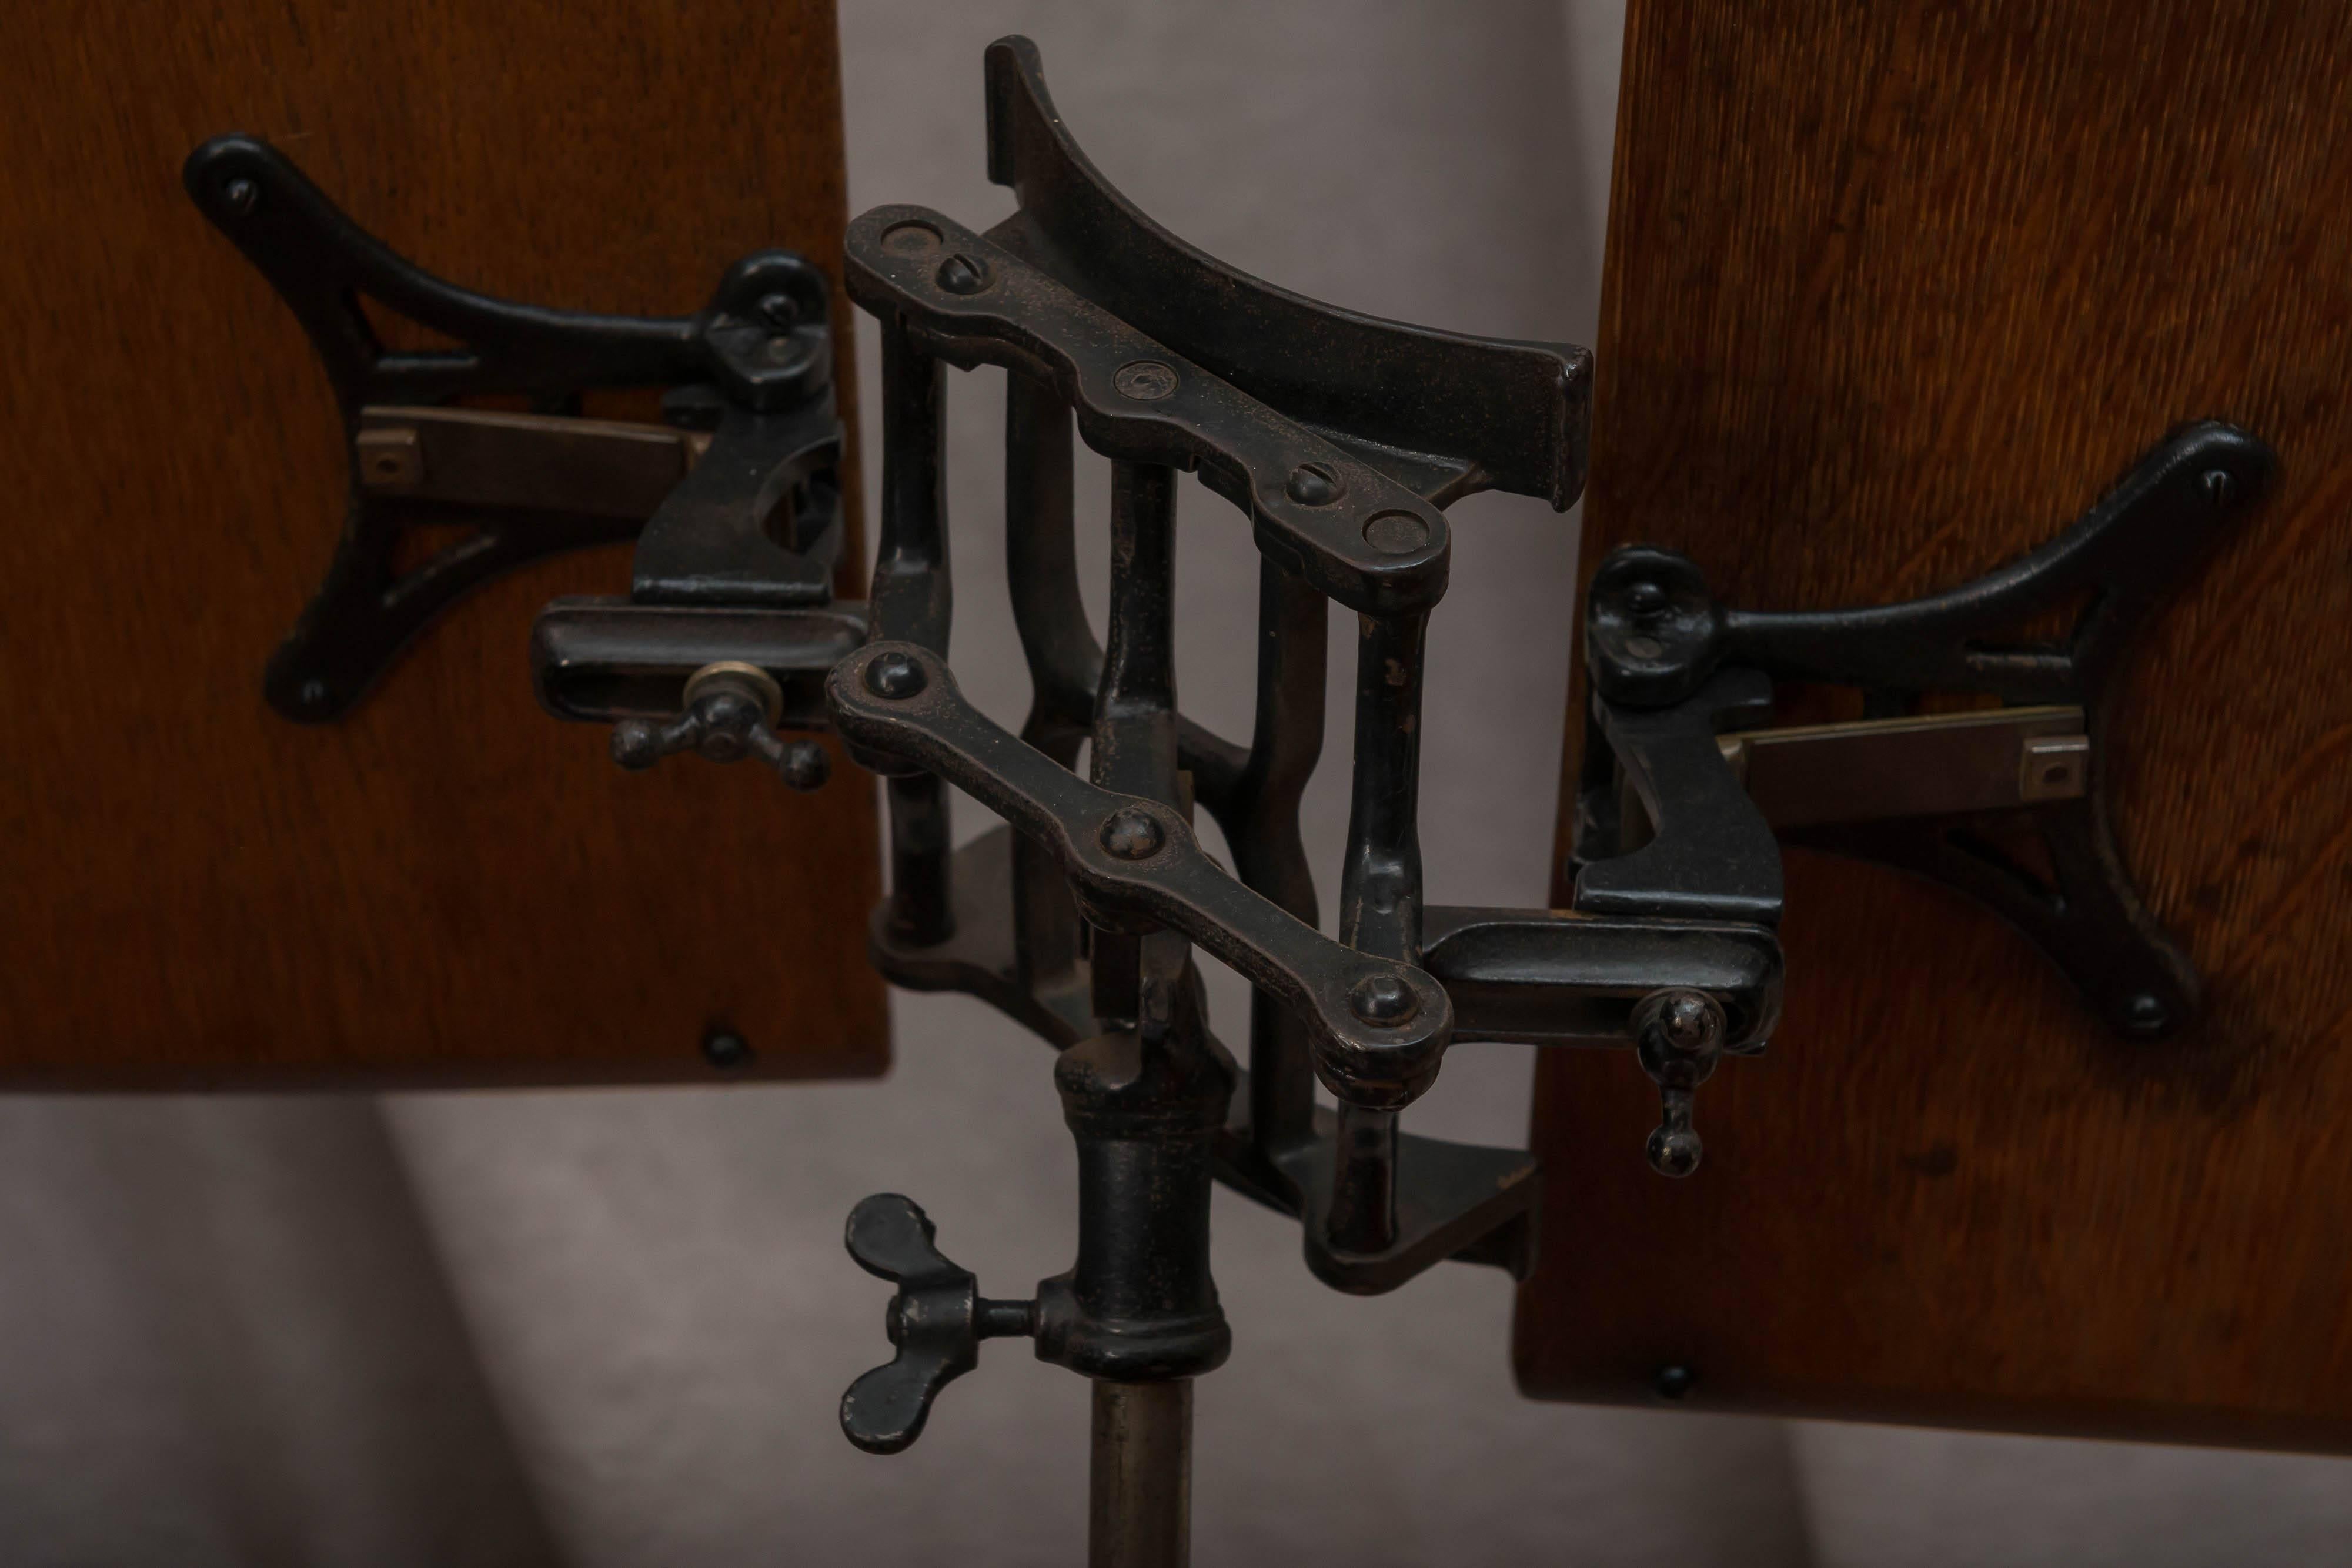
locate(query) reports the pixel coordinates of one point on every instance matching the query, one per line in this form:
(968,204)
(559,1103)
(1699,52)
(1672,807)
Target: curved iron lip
(1511,415)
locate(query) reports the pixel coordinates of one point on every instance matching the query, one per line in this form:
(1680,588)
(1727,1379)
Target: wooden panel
(449,887)
(1894,291)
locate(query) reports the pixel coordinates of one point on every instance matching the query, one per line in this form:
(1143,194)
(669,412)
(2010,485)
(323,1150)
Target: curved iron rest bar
(1444,413)
(321,263)
(2131,552)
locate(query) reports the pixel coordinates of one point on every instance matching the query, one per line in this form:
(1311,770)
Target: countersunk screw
(959,274)
(1644,647)
(780,311)
(895,676)
(2220,489)
(724,1049)
(1132,834)
(243,197)
(1312,484)
(1383,1000)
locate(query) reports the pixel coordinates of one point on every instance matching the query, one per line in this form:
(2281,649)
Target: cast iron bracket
(753,371)
(1660,649)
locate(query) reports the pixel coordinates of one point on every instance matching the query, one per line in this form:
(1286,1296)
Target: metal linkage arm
(1343,525)
(1377,1028)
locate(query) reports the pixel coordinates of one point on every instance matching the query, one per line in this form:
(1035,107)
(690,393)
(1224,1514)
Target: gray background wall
(611,1328)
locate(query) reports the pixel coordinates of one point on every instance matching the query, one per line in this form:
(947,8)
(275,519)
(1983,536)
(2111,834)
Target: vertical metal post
(1143,1220)
(1135,708)
(912,600)
(1139,1496)
(1041,568)
(1268,855)
(1380,898)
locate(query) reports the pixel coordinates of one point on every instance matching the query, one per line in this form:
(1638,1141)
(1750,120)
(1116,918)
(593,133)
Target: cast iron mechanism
(1665,659)
(741,485)
(1342,439)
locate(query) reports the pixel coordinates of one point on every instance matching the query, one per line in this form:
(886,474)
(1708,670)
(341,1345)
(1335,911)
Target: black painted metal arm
(762,345)
(1136,860)
(1658,643)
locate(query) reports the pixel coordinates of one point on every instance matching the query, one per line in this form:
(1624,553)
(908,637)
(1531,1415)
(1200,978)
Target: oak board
(449,886)
(1894,291)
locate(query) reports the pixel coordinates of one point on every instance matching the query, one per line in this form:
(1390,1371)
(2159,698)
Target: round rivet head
(911,238)
(1396,533)
(959,274)
(1673,1381)
(242,195)
(1644,598)
(1145,381)
(780,311)
(1383,1000)
(2219,488)
(895,676)
(1689,1021)
(1132,835)
(2149,1014)
(725,1050)
(1674,1151)
(1313,484)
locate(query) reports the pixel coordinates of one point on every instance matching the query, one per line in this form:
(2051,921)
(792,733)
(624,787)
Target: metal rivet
(1145,381)
(1312,484)
(1644,599)
(911,238)
(724,1049)
(2148,1014)
(959,274)
(1689,1021)
(780,311)
(1132,834)
(1383,1000)
(895,676)
(313,693)
(242,195)
(2219,488)
(1673,1381)
(1396,533)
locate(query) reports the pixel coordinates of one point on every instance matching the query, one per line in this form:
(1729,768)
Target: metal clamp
(1916,790)
(755,366)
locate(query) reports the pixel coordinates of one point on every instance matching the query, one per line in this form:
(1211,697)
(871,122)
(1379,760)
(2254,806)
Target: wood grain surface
(1893,291)
(449,887)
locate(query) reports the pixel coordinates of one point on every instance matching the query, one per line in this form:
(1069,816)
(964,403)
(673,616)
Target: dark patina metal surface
(1340,438)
